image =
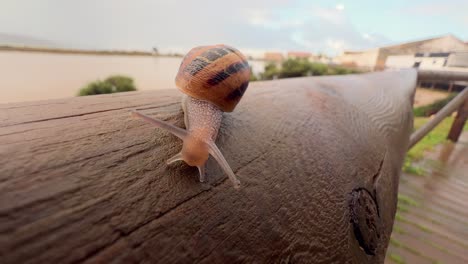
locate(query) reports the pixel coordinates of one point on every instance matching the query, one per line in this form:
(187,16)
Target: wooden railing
(81,180)
(460,102)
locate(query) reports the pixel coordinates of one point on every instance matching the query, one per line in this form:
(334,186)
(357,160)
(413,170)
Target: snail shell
(219,74)
(215,79)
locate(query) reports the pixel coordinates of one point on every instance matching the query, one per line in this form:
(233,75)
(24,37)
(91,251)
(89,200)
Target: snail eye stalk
(183,134)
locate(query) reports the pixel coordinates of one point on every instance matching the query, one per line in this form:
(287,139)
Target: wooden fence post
(459,122)
(438,117)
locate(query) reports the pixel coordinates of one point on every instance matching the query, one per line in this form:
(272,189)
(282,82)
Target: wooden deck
(431,225)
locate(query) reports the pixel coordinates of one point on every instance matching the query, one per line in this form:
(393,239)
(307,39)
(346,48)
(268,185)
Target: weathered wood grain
(318,159)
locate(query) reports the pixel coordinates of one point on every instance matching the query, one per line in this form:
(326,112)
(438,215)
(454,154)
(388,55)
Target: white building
(439,60)
(376,59)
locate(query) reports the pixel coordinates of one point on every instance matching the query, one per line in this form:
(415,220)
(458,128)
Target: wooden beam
(442,75)
(459,122)
(318,160)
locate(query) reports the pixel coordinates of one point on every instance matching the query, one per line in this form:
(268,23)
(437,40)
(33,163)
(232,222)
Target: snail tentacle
(201,170)
(216,153)
(176,131)
(184,135)
(175,158)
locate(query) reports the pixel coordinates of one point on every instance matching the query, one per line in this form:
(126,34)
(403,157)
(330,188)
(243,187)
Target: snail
(213,79)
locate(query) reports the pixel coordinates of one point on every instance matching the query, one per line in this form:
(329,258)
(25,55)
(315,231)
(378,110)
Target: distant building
(274,56)
(436,60)
(400,61)
(441,61)
(360,59)
(376,59)
(321,59)
(299,55)
(458,59)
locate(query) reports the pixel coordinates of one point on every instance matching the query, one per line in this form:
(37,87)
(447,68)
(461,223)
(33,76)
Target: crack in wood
(379,170)
(87,158)
(124,234)
(365,219)
(84,114)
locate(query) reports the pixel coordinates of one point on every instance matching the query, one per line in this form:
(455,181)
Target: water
(30,76)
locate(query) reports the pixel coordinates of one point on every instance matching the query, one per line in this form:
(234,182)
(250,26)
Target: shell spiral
(219,74)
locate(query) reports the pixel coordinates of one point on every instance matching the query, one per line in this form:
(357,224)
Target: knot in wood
(364,216)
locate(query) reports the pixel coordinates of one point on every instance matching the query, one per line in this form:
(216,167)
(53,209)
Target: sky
(253,26)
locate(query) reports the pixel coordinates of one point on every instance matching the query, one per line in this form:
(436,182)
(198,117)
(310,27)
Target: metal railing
(459,102)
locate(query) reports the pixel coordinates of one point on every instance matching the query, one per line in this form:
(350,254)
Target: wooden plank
(83,181)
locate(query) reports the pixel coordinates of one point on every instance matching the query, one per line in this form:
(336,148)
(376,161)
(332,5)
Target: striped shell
(219,74)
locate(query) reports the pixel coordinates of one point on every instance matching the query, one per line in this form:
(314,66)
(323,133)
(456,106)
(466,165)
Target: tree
(113,84)
(271,71)
(318,68)
(295,68)
(121,83)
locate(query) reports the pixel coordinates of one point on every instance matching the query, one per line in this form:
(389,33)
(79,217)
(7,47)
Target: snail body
(214,79)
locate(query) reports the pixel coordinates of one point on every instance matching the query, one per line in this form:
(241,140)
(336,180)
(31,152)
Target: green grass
(396,243)
(398,229)
(403,201)
(408,167)
(428,110)
(396,258)
(404,205)
(399,244)
(400,218)
(402,208)
(439,247)
(406,200)
(437,136)
(421,227)
(300,67)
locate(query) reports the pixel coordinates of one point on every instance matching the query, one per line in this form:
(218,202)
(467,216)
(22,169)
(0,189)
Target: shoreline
(83,52)
(4,47)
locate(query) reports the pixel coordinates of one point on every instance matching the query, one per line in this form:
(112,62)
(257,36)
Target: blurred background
(53,49)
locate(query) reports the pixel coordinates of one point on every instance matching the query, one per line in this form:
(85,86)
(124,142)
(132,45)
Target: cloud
(456,7)
(270,20)
(331,31)
(179,25)
(334,16)
(339,7)
(454,10)
(317,29)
